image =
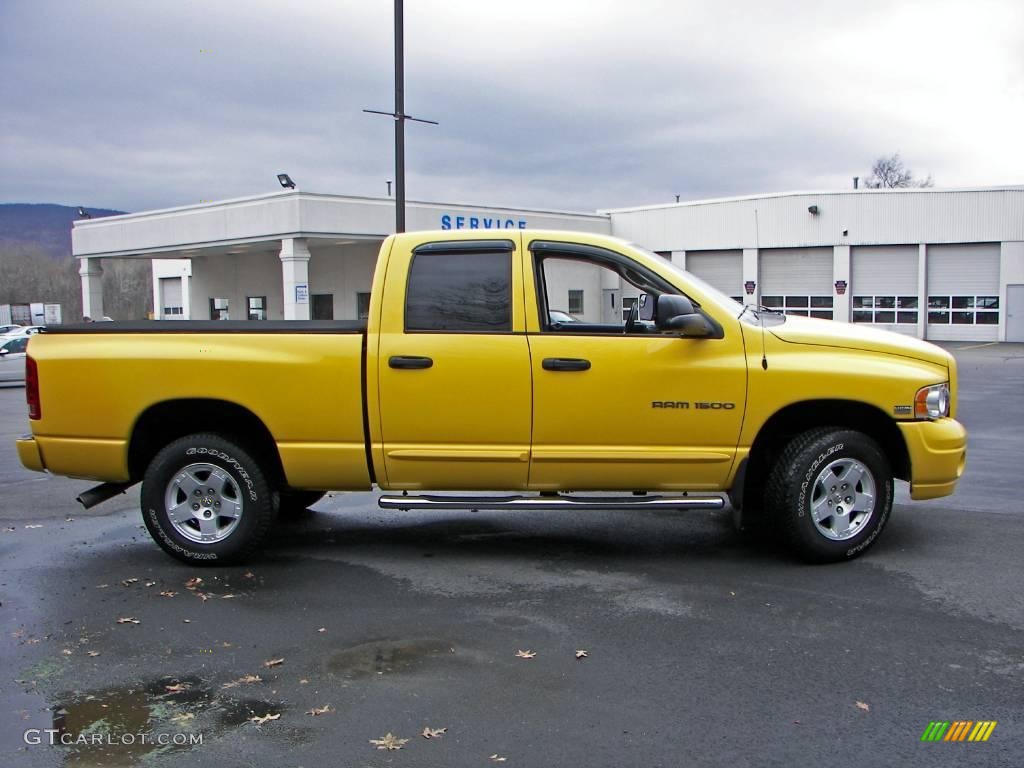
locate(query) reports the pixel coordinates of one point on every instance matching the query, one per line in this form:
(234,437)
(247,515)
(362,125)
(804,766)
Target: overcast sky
(571,104)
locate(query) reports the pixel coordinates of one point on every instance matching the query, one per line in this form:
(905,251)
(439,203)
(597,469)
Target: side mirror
(672,313)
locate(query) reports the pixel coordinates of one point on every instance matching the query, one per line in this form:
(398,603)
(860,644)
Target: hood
(828,333)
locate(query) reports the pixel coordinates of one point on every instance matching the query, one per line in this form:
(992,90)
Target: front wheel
(206,501)
(830,494)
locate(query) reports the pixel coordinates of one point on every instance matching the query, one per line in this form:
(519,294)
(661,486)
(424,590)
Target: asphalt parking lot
(702,648)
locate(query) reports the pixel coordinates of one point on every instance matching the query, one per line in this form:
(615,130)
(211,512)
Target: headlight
(932,402)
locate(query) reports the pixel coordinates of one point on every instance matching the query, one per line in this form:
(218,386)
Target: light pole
(399,117)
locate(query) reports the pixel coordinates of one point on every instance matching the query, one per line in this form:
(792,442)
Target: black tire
(294,503)
(805,476)
(236,479)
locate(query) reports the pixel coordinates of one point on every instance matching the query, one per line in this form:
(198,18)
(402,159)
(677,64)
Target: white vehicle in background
(10,330)
(12,358)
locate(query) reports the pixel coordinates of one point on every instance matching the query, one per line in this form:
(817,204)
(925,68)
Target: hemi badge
(903,410)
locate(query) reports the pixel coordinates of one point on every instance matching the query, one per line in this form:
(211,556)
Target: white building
(933,263)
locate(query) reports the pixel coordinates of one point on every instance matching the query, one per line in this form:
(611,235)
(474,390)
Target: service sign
(491,221)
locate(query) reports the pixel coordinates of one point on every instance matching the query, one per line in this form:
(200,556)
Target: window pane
(987,302)
(963,302)
(862,316)
(796,301)
(938,302)
(987,318)
(824,314)
(885,302)
(907,302)
(575,301)
(362,306)
(859,302)
(798,312)
(459,292)
(906,317)
(821,301)
(963,318)
(885,317)
(771,301)
(938,317)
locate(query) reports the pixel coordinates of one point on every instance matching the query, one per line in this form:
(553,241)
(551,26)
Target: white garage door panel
(796,271)
(963,269)
(721,269)
(884,270)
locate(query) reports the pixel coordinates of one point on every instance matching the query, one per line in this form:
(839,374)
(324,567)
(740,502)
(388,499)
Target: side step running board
(551,502)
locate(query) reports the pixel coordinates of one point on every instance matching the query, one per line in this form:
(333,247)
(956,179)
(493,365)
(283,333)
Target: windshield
(725,302)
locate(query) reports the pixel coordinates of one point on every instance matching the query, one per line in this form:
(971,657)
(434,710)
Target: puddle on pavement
(384,657)
(105,727)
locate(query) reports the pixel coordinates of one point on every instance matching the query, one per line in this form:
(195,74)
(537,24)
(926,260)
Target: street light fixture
(83,214)
(286,181)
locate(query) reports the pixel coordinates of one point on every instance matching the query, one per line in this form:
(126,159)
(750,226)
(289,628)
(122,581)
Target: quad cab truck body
(460,381)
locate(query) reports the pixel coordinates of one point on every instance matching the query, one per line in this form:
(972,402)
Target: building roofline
(301,194)
(819,193)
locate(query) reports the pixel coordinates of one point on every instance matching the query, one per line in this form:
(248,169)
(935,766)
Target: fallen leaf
(150,583)
(315,711)
(187,621)
(69,519)
(193,583)
(582,654)
(177,688)
(322,629)
(248,575)
(227,597)
(128,582)
(273,662)
(33,526)
(10,529)
(862,705)
(94,654)
(168,593)
(526,654)
(204,596)
(498,759)
(389,741)
(732,594)
(303,681)
(433,733)
(128,620)
(67,652)
(245,680)
(225,644)
(184,717)
(265,718)
(102,586)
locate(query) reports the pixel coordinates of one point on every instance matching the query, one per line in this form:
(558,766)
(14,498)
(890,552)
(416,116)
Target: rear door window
(464,292)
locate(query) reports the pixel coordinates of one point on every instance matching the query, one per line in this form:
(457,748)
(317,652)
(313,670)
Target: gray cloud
(568,104)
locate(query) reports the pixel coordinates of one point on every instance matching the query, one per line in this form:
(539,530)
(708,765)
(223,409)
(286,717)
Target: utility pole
(399,117)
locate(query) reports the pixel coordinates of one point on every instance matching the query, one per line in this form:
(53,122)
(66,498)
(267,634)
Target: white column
(186,292)
(750,268)
(922,290)
(841,271)
(91,272)
(679,259)
(295,278)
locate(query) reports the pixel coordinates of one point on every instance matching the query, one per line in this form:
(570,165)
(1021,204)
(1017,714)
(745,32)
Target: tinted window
(459,292)
(16,345)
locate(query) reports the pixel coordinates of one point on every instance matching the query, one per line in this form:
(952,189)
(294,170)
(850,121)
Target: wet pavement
(702,648)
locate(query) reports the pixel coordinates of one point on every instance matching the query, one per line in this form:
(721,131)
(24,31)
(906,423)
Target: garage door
(171,304)
(721,269)
(963,292)
(797,280)
(884,287)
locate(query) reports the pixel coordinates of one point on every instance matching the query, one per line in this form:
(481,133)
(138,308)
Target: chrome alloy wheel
(203,503)
(843,499)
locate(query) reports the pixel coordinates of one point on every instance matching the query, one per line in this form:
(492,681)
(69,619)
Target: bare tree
(891,173)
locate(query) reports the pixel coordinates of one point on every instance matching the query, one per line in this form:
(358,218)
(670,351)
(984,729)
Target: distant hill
(44,225)
(36,264)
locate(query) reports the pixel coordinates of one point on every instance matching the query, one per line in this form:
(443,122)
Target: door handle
(565,364)
(410,362)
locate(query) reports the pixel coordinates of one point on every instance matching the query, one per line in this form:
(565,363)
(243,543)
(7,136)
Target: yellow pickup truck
(469,376)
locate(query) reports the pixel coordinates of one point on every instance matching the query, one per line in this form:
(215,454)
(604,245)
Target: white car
(12,358)
(9,330)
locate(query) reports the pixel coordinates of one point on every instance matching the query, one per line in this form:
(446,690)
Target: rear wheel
(206,501)
(830,494)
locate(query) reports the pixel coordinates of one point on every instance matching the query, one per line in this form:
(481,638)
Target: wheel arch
(166,421)
(795,418)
